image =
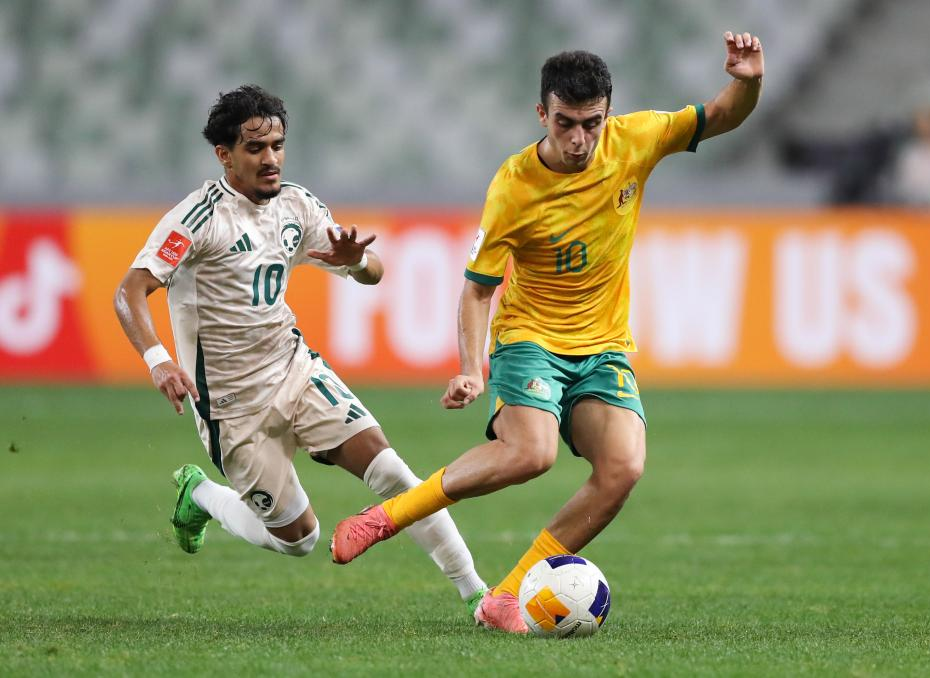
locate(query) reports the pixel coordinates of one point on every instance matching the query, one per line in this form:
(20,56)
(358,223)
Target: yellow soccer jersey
(570,236)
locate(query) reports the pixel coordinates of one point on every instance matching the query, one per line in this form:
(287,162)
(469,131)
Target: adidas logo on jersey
(355,412)
(243,244)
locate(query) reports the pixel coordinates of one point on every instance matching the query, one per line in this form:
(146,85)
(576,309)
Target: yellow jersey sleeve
(678,131)
(496,238)
(660,133)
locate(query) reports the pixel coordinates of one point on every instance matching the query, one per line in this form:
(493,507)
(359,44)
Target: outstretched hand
(346,249)
(744,56)
(461,391)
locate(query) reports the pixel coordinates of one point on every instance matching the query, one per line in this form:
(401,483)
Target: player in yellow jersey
(564,210)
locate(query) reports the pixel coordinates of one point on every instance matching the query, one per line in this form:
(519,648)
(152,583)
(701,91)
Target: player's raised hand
(461,391)
(744,56)
(174,384)
(346,249)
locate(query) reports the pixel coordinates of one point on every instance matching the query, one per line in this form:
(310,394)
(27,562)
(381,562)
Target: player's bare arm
(734,103)
(347,250)
(474,309)
(132,309)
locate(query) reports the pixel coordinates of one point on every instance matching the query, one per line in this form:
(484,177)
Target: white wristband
(361,265)
(156,355)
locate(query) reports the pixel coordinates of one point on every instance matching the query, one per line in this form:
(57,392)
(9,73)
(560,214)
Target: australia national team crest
(291,235)
(625,198)
(538,389)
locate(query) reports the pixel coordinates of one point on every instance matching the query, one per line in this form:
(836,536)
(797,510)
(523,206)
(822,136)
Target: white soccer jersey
(226,262)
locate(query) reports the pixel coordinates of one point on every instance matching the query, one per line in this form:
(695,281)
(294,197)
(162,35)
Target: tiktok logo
(31,302)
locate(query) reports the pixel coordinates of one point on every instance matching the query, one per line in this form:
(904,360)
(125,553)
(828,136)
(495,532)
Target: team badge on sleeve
(173,249)
(479,240)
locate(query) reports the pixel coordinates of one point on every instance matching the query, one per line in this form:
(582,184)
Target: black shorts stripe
(216,452)
(203,409)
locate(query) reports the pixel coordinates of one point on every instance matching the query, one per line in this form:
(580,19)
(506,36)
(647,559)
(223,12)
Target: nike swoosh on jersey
(556,237)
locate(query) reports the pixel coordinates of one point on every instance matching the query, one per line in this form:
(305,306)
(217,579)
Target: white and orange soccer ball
(564,597)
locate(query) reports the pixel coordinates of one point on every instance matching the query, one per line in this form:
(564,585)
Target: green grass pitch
(774,533)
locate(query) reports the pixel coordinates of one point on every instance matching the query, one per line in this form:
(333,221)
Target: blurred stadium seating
(107,97)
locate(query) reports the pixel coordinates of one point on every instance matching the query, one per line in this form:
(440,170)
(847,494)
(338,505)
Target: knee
(299,548)
(621,474)
(633,469)
(530,457)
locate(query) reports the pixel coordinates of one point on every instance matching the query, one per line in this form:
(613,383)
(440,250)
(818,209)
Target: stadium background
(749,276)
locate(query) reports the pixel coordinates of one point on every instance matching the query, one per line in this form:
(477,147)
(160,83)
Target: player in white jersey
(225,253)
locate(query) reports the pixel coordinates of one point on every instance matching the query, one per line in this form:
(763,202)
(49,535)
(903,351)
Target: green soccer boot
(474,601)
(189,520)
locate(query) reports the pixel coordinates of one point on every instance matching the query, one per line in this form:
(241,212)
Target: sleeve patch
(479,240)
(173,249)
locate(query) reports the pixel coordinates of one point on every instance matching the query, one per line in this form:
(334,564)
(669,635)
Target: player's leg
(526,446)
(499,609)
(264,504)
(334,425)
(603,421)
(605,424)
(369,456)
(296,538)
(525,392)
(613,440)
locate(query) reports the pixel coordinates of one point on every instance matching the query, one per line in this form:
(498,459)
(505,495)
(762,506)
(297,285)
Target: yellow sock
(544,545)
(418,502)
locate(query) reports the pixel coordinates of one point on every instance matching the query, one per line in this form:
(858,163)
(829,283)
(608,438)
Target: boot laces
(363,529)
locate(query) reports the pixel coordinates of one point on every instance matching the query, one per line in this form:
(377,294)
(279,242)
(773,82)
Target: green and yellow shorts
(526,374)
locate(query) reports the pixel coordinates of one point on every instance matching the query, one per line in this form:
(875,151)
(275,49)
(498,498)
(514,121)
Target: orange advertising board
(726,297)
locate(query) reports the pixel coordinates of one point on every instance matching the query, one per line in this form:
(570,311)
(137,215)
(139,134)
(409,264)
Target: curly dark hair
(234,108)
(575,78)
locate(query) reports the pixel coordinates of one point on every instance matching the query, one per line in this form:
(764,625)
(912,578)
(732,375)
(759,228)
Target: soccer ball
(564,597)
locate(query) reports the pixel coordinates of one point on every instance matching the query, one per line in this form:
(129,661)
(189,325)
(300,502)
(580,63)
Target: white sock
(387,476)
(298,548)
(224,505)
